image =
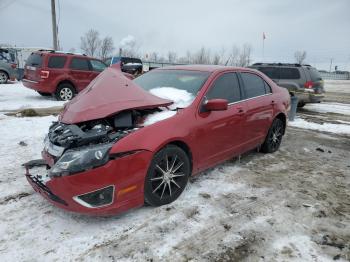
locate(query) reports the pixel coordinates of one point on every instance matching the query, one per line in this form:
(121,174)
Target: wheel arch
(66,81)
(181,144)
(5,71)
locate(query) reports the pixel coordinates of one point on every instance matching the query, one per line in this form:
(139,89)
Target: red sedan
(121,143)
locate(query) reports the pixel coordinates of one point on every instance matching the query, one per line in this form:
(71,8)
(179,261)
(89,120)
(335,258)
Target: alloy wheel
(167,176)
(276,135)
(66,93)
(3,78)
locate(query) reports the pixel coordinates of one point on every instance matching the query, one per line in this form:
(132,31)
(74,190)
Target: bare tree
(300,56)
(244,56)
(187,59)
(90,42)
(171,57)
(162,59)
(154,56)
(106,47)
(202,56)
(233,56)
(216,59)
(219,58)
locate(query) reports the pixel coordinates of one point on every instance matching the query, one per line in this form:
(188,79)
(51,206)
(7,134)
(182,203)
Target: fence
(335,76)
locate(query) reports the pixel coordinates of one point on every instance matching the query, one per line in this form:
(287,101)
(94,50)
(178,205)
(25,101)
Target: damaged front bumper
(120,179)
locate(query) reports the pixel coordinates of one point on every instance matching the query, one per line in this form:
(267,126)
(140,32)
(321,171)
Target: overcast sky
(320,27)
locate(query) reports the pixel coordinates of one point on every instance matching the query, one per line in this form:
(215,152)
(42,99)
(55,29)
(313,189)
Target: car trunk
(33,67)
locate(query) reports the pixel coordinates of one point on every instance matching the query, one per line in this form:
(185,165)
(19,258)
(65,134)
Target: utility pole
(54,25)
(330,66)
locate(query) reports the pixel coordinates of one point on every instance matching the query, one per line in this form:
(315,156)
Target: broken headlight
(78,160)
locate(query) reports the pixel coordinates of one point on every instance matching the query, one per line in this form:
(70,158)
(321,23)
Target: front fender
(154,137)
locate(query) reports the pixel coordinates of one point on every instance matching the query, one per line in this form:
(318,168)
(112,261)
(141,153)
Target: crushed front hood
(109,93)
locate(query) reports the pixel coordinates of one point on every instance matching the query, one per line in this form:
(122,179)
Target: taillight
(44,74)
(13,65)
(309,84)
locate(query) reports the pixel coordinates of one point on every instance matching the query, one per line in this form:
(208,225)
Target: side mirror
(216,105)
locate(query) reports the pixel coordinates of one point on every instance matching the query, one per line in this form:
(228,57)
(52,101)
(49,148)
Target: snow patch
(338,108)
(181,99)
(295,247)
(16,97)
(340,86)
(159,116)
(325,127)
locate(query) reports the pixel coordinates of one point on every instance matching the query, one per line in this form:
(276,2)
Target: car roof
(60,53)
(279,65)
(203,68)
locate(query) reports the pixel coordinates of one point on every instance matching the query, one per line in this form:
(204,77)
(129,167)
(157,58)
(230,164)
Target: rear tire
(65,92)
(274,137)
(167,176)
(3,77)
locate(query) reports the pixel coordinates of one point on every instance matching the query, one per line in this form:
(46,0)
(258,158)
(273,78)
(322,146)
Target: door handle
(273,102)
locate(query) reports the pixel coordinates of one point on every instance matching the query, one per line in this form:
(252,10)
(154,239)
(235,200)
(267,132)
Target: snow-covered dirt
(293,205)
(15,97)
(339,86)
(337,91)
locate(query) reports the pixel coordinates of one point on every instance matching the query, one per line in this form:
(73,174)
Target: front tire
(3,77)
(274,137)
(167,176)
(65,92)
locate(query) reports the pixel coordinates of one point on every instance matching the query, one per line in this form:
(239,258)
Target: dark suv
(60,74)
(304,81)
(129,65)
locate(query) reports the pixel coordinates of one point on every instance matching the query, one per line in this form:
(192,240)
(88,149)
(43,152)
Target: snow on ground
(324,127)
(324,107)
(237,210)
(14,96)
(256,210)
(340,86)
(31,132)
(328,116)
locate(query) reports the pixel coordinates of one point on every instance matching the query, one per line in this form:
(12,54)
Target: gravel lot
(293,205)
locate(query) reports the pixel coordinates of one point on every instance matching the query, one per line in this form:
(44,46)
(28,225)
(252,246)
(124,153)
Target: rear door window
(225,87)
(289,73)
(56,61)
(80,64)
(253,85)
(97,65)
(35,60)
(272,72)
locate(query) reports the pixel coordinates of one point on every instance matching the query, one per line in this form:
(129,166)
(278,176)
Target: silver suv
(303,81)
(7,66)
